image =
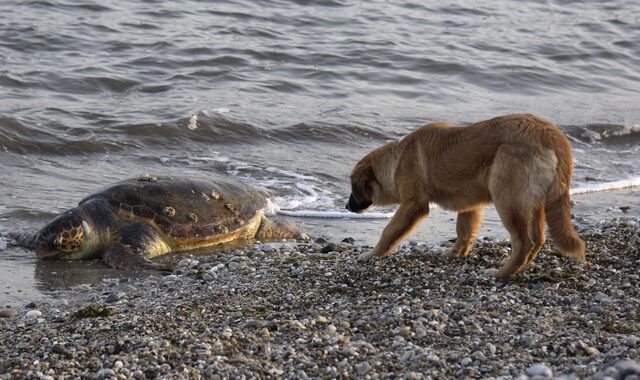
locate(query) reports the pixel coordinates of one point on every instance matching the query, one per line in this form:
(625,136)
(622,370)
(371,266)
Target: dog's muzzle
(354,206)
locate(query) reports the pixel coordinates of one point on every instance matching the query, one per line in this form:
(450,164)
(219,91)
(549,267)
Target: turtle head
(68,236)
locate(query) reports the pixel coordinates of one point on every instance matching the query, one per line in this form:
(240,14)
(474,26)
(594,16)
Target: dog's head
(366,187)
(363,181)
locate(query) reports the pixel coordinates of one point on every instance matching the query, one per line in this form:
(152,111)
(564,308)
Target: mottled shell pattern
(184,209)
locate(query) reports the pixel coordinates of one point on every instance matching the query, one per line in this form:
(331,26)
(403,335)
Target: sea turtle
(135,220)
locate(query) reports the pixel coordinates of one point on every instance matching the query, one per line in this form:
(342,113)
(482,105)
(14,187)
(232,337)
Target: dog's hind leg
(466,229)
(518,182)
(537,232)
(402,224)
(517,223)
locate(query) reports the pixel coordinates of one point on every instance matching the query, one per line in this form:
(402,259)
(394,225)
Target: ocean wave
(22,138)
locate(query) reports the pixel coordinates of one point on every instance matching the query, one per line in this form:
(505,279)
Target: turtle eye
(54,242)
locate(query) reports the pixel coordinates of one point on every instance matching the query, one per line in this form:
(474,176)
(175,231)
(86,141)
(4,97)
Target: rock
(631,341)
(60,349)
(466,361)
(106,373)
(596,309)
(404,331)
(31,305)
(331,247)
(32,314)
(540,370)
(627,368)
(8,313)
(349,240)
(363,368)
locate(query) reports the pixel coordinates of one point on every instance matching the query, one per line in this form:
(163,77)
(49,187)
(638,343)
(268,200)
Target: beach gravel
(313,311)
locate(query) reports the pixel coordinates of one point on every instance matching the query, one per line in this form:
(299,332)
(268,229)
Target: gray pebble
(112,298)
(8,313)
(34,314)
(627,368)
(466,361)
(540,370)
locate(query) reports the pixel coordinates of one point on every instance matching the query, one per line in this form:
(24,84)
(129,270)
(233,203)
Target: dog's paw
(451,252)
(491,272)
(458,251)
(365,256)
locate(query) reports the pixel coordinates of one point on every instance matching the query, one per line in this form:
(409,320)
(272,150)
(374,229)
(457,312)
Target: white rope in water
(587,189)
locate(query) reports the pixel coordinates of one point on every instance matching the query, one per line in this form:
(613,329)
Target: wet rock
(540,370)
(34,314)
(8,313)
(331,247)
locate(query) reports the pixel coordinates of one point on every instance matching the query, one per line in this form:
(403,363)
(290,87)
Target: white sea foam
(193,122)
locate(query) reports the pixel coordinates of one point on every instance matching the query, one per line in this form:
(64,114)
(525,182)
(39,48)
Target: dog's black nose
(358,207)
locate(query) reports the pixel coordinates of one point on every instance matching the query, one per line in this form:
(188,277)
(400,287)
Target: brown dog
(521,163)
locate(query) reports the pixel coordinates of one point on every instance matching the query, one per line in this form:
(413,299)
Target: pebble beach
(310,310)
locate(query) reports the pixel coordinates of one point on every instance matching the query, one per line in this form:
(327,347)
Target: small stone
(169,278)
(215,195)
(363,368)
(60,349)
(31,305)
(8,313)
(34,314)
(631,341)
(112,298)
(404,331)
(331,247)
(596,309)
(192,217)
(540,370)
(106,373)
(466,361)
(349,240)
(627,368)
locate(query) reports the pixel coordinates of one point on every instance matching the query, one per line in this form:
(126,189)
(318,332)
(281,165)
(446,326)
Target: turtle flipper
(130,258)
(278,228)
(138,242)
(26,240)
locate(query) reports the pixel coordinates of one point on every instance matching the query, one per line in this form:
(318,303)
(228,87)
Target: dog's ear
(361,182)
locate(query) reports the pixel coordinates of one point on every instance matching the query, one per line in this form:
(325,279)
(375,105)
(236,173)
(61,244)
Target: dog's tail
(558,212)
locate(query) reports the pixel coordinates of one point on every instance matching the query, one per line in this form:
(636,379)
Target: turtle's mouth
(43,251)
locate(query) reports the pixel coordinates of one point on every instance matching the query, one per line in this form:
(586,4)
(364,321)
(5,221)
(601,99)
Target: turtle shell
(185,210)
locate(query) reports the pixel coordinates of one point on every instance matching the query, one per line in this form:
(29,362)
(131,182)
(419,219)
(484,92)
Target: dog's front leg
(401,225)
(467,229)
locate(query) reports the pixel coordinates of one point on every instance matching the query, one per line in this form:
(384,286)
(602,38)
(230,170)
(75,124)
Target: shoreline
(311,310)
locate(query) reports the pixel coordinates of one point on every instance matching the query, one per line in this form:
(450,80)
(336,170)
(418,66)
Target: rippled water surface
(289,94)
